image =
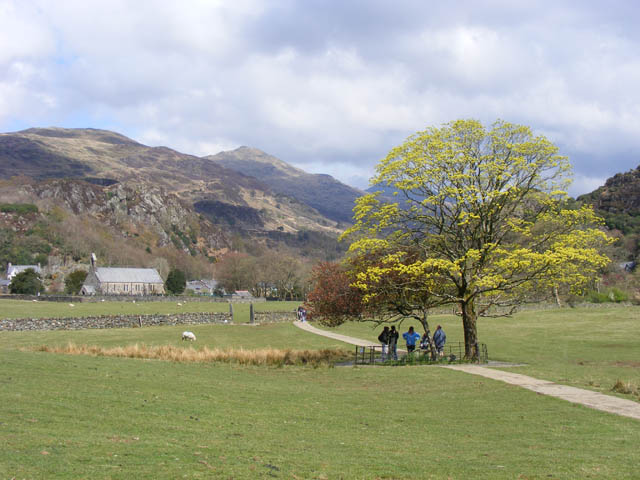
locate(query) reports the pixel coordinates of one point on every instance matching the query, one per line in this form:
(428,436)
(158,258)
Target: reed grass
(263,356)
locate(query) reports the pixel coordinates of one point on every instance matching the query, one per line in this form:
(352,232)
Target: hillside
(104,158)
(59,222)
(618,201)
(324,193)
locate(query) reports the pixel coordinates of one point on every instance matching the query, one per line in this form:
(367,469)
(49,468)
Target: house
(122,281)
(202,287)
(4,285)
(13,270)
(241,295)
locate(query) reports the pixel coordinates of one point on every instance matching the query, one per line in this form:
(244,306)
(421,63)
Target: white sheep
(188,336)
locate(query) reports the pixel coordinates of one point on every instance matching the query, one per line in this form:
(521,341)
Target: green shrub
(613,295)
(27,282)
(19,208)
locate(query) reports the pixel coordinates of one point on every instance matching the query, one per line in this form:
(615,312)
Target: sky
(328,86)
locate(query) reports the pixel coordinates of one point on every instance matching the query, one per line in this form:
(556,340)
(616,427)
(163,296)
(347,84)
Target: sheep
(188,336)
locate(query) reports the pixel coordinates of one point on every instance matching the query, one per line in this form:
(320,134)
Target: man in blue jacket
(411,338)
(439,338)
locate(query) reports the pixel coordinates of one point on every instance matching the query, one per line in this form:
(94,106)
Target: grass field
(97,417)
(42,309)
(583,347)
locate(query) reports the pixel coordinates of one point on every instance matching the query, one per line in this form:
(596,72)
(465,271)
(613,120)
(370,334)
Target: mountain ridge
(324,193)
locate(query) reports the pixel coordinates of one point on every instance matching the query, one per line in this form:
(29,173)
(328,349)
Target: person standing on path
(393,343)
(411,337)
(383,338)
(439,338)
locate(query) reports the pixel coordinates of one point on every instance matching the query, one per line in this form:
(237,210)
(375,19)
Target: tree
(176,282)
(234,271)
(27,282)
(477,218)
(332,299)
(74,281)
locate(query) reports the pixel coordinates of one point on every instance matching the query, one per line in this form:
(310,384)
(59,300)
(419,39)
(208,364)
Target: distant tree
(27,282)
(73,282)
(234,271)
(176,282)
(332,299)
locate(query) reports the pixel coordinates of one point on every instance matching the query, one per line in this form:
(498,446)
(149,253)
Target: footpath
(588,398)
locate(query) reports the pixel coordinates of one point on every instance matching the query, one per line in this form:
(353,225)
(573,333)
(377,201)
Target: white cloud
(328,89)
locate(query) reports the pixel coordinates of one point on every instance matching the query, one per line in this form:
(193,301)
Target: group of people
(301,314)
(388,338)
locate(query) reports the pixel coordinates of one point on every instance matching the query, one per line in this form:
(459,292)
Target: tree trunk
(555,292)
(469,326)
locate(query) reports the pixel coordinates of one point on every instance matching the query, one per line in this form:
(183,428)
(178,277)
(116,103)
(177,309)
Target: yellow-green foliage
(477,214)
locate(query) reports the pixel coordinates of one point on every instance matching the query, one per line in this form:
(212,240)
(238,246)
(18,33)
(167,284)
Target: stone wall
(274,317)
(127,298)
(113,321)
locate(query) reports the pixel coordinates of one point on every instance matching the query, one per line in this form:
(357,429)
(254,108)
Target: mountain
(135,205)
(225,196)
(60,222)
(618,201)
(324,193)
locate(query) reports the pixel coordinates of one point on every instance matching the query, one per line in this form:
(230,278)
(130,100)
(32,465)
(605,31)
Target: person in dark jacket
(439,338)
(393,343)
(383,338)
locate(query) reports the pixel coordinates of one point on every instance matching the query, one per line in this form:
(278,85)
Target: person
(425,341)
(411,337)
(383,338)
(393,343)
(439,338)
(299,313)
(303,315)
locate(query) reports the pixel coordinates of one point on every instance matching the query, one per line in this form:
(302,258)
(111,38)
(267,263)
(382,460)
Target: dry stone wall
(274,317)
(113,321)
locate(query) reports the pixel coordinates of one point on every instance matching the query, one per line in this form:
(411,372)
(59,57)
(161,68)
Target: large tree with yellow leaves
(478,219)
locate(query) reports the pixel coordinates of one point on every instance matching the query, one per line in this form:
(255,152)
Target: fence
(452,353)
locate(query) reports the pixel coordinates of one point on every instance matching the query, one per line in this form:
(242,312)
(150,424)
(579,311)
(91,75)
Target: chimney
(93,260)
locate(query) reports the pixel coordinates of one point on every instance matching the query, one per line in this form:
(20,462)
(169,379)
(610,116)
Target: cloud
(327,87)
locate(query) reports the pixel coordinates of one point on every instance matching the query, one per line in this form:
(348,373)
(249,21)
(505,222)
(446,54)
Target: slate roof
(13,270)
(128,275)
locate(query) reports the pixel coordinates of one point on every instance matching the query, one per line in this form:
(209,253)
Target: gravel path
(336,336)
(588,398)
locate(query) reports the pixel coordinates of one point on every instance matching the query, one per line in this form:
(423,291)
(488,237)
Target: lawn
(43,309)
(583,347)
(96,417)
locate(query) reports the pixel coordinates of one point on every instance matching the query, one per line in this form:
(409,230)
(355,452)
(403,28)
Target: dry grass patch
(263,356)
(627,388)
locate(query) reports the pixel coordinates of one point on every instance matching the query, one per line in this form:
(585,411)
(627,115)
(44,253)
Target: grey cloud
(329,84)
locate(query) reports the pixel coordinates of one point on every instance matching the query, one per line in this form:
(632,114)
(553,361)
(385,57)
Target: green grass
(42,309)
(95,417)
(583,347)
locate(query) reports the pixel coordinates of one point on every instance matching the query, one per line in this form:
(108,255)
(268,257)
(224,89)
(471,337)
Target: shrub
(73,282)
(19,208)
(176,282)
(27,283)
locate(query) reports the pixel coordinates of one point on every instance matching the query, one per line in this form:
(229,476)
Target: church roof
(128,275)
